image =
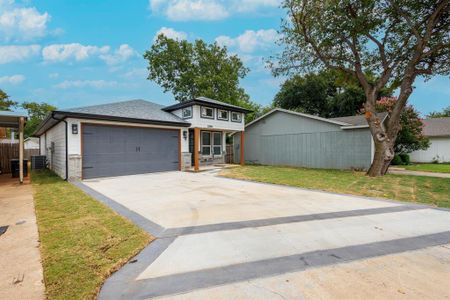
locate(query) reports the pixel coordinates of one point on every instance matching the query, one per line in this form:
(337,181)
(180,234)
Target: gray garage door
(115,151)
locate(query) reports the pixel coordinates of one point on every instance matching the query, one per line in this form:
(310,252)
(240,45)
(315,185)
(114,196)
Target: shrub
(397,160)
(405,158)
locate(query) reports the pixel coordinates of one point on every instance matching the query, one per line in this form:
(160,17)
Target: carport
(17,121)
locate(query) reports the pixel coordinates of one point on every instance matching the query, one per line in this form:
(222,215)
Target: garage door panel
(115,151)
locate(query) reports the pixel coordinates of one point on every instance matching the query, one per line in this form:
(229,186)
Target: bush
(405,158)
(397,160)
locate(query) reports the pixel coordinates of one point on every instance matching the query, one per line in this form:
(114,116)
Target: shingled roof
(436,127)
(358,120)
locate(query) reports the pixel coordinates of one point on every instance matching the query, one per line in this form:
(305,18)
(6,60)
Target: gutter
(67,142)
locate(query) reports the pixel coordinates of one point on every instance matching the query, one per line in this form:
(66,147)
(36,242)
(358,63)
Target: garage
(125,150)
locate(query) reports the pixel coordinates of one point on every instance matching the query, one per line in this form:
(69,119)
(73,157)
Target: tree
(5,102)
(393,40)
(410,137)
(325,94)
(440,114)
(189,70)
(36,114)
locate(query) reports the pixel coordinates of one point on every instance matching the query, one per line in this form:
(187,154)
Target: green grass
(440,168)
(82,240)
(429,190)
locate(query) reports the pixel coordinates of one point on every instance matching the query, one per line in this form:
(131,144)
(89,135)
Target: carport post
(21,125)
(242,160)
(196,148)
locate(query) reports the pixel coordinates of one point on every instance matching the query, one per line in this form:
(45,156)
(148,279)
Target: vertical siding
(57,159)
(440,146)
(302,142)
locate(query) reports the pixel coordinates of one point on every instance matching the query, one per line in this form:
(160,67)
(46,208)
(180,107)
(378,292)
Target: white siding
(57,158)
(204,123)
(440,146)
(42,144)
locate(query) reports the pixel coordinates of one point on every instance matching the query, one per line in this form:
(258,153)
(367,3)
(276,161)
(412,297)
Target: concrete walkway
(20,262)
(402,171)
(221,238)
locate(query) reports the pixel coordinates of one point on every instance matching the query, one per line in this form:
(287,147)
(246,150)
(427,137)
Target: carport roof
(10,119)
(135,111)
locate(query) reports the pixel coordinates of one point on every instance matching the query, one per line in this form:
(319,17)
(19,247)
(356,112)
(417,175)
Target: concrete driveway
(228,239)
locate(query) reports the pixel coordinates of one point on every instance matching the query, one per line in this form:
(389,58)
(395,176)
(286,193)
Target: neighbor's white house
(438,131)
(137,136)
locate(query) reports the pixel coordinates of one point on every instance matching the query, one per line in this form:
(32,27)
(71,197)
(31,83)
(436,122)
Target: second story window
(187,112)
(236,117)
(207,112)
(222,115)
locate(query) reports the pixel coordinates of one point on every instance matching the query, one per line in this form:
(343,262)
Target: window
(222,115)
(187,112)
(236,117)
(211,143)
(206,143)
(207,112)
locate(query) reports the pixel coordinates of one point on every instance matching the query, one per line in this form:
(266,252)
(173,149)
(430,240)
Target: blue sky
(82,52)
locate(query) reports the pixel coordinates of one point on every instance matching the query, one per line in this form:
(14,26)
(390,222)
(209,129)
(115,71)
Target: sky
(81,52)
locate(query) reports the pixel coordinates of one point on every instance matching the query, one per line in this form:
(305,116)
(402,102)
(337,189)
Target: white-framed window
(211,143)
(222,115)
(187,112)
(236,117)
(207,112)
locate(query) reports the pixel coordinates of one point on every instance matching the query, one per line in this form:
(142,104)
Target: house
(438,131)
(137,136)
(31,143)
(283,137)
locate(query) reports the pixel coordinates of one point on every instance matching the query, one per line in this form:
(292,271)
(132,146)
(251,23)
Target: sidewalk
(20,262)
(403,171)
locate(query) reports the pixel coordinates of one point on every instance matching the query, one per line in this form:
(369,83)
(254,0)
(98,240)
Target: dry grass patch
(429,190)
(82,240)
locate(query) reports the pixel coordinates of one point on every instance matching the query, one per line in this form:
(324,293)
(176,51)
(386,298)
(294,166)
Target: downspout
(67,144)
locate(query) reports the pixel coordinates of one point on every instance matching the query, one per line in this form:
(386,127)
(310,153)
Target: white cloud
(22,23)
(17,53)
(190,10)
(120,55)
(14,79)
(136,73)
(207,10)
(76,51)
(250,40)
(53,75)
(171,33)
(98,84)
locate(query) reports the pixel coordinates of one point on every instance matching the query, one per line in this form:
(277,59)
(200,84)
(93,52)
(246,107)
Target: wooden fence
(11,151)
(229,155)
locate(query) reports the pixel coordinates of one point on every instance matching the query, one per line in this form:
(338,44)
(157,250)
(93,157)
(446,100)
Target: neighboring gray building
(283,137)
(438,131)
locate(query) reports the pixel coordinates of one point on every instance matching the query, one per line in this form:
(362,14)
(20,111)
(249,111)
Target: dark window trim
(211,146)
(191,108)
(220,119)
(206,117)
(240,117)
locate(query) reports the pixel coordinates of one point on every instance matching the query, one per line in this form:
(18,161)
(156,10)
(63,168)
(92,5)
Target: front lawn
(440,168)
(429,190)
(82,240)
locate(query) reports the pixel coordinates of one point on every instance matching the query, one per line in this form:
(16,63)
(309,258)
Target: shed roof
(208,102)
(10,119)
(436,127)
(359,119)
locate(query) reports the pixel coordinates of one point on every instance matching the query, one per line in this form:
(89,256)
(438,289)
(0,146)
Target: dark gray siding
(286,139)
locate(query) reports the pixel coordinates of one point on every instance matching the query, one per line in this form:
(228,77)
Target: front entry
(119,150)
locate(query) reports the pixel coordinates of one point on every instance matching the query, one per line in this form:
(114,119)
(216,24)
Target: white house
(137,136)
(31,143)
(438,131)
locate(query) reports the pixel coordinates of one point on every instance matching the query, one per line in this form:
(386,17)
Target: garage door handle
(88,167)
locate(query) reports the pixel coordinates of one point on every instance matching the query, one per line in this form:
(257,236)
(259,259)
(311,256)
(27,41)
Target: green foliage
(440,114)
(410,137)
(405,158)
(196,69)
(397,160)
(36,114)
(5,102)
(327,94)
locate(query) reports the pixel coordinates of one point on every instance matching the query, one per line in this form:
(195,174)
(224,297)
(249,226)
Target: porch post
(21,125)
(242,160)
(196,148)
